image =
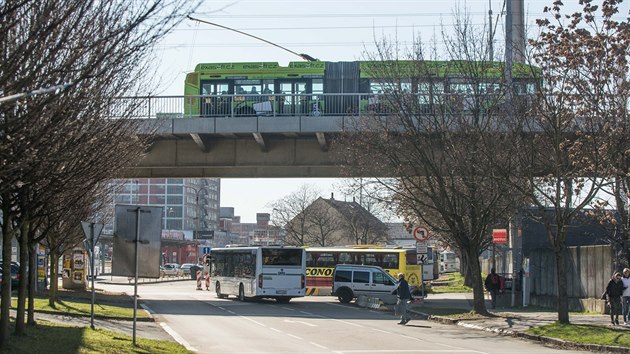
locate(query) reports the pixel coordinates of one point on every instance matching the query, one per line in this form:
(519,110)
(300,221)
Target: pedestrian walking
(613,293)
(625,298)
(493,286)
(404,295)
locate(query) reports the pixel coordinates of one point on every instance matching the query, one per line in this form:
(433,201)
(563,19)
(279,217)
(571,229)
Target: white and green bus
(274,272)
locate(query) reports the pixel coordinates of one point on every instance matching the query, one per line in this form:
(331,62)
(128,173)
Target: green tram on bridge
(319,88)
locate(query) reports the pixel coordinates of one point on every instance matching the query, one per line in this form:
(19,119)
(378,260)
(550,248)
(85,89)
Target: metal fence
(589,269)
(314,105)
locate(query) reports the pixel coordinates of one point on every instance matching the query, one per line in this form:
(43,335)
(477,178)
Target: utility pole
(490,32)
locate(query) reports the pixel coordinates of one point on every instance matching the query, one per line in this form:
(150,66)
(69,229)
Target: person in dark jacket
(404,295)
(613,293)
(493,285)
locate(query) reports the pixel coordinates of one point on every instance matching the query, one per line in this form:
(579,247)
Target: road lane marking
(312,314)
(318,345)
(171,331)
(409,351)
(177,337)
(302,322)
(276,330)
(294,336)
(382,331)
(346,322)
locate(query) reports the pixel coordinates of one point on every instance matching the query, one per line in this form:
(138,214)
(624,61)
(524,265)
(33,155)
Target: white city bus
(263,272)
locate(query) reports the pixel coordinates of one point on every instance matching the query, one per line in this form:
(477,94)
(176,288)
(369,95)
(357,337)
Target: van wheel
(344,295)
(241,293)
(217,289)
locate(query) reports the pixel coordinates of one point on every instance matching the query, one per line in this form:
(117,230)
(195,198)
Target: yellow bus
(321,261)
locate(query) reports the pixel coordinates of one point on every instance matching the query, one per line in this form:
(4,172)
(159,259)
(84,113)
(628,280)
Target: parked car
(15,275)
(170,269)
(351,281)
(186,268)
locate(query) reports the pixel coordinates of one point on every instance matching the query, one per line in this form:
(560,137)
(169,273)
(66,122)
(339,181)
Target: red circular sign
(420,233)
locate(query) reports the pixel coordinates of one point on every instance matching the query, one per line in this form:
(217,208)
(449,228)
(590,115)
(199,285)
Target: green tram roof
(368,69)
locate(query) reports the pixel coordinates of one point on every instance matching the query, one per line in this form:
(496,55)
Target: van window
(361,277)
(343,276)
(380,278)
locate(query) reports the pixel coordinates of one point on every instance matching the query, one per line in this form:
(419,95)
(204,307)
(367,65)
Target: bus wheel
(241,293)
(344,295)
(283,300)
(217,289)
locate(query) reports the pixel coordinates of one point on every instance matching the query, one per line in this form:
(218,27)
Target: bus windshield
(282,257)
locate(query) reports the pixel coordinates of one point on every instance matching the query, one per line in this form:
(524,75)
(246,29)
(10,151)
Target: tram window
(377,87)
(267,87)
(405,86)
(248,86)
(317,86)
(531,88)
(213,88)
(461,88)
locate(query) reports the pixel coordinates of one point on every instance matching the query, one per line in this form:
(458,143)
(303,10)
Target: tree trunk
(20,326)
(32,279)
(5,296)
(474,272)
(464,270)
(54,278)
(561,275)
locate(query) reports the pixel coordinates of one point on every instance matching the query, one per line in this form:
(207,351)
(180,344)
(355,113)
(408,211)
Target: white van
(351,281)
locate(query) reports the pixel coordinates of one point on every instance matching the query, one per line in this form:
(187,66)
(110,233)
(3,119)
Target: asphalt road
(207,324)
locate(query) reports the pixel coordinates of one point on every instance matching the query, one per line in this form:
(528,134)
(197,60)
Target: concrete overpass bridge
(274,142)
(195,137)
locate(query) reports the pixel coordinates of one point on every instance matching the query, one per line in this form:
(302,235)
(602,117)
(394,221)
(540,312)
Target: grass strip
(48,337)
(454,284)
(586,334)
(82,307)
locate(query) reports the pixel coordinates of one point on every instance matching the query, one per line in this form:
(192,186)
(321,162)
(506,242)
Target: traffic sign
(420,233)
(421,248)
(499,236)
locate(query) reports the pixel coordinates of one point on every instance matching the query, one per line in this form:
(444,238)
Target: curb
(99,317)
(142,282)
(536,338)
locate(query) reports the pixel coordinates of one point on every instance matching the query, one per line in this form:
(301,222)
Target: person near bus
(404,294)
(493,286)
(613,293)
(625,299)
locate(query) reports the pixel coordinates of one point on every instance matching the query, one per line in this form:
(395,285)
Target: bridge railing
(314,105)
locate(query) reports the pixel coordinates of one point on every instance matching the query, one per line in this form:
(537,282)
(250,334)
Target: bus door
(293,99)
(214,104)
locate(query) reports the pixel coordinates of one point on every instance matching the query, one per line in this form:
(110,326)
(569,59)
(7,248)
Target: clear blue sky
(331,30)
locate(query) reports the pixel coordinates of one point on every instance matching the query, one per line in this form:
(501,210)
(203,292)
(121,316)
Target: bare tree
(290,213)
(583,58)
(441,148)
(58,141)
(325,224)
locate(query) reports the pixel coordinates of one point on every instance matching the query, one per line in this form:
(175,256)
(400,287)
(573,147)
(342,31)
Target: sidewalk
(514,322)
(118,280)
